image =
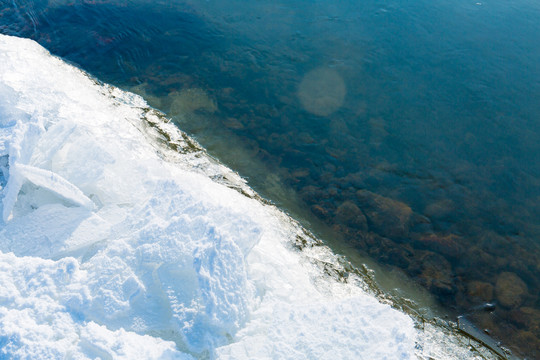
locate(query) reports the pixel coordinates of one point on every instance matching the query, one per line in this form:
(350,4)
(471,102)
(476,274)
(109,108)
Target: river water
(403,132)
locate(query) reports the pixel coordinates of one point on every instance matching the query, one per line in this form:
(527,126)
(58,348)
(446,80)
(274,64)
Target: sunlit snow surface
(110,248)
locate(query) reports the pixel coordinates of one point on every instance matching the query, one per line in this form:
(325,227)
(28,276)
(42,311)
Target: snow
(113,246)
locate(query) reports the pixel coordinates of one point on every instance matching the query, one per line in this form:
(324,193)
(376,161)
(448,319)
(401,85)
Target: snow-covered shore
(113,244)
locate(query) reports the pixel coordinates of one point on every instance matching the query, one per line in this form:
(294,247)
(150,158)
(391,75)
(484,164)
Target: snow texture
(108,249)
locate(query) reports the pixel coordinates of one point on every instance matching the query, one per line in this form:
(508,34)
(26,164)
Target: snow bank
(113,246)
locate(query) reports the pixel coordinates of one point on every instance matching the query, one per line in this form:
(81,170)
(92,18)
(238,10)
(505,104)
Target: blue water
(410,129)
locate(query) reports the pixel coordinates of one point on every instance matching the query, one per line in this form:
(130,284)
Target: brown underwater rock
(434,272)
(385,216)
(527,317)
(511,290)
(349,214)
(480,290)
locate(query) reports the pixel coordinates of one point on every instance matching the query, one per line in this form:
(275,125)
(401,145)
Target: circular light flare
(322,91)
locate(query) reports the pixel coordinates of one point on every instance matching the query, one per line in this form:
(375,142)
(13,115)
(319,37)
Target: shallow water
(410,132)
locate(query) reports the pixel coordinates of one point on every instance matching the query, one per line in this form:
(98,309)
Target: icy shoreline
(122,239)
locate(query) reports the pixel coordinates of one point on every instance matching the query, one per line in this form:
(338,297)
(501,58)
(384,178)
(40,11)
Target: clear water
(409,131)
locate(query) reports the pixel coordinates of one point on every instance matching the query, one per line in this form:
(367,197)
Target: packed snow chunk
(174,266)
(326,330)
(40,319)
(113,245)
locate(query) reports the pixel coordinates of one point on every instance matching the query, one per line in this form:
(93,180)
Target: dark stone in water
(435,273)
(387,217)
(400,256)
(349,214)
(494,243)
(379,247)
(477,264)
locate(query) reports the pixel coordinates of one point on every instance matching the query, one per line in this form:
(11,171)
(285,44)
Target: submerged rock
(435,273)
(480,290)
(349,214)
(378,246)
(511,290)
(386,216)
(448,245)
(527,317)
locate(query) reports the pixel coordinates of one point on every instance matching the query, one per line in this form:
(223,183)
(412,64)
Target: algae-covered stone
(511,290)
